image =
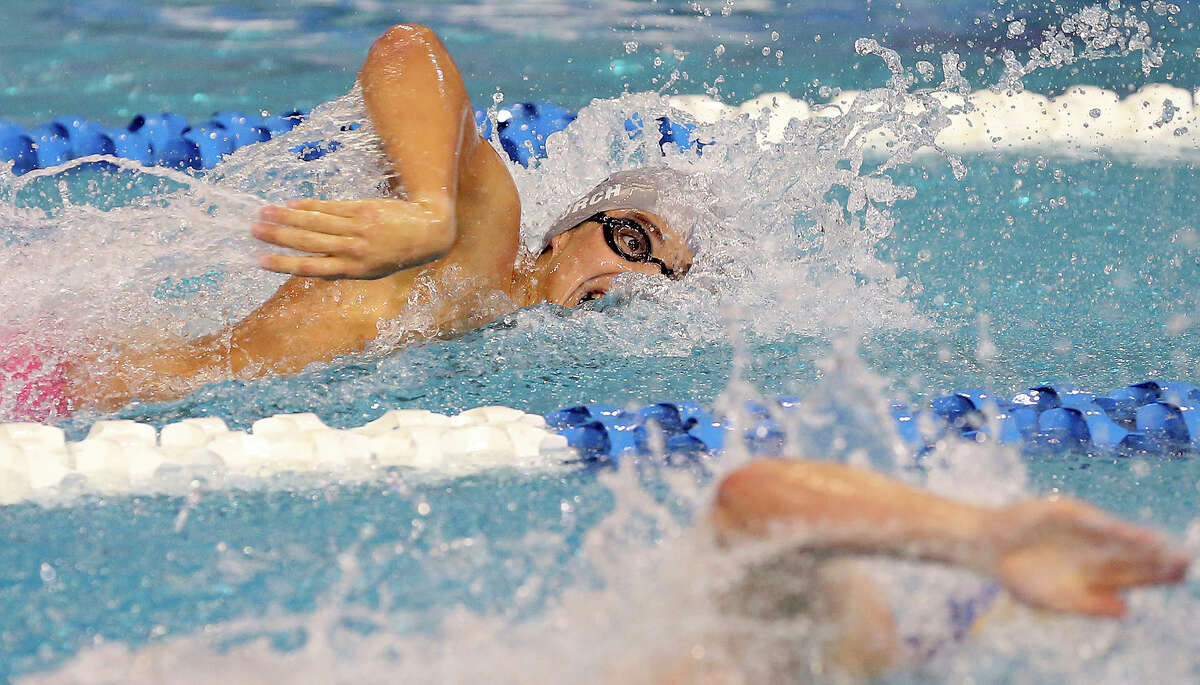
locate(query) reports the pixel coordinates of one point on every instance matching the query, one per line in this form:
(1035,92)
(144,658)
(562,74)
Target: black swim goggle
(630,240)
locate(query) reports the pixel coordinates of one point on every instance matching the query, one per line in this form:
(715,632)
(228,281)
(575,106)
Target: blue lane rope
(1150,418)
(1153,418)
(169,140)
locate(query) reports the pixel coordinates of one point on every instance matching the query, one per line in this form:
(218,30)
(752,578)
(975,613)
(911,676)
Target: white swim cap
(660,190)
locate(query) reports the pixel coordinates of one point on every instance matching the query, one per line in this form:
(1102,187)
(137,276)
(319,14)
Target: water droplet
(1094,113)
(47,573)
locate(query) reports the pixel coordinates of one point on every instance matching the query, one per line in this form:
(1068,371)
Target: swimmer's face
(584,261)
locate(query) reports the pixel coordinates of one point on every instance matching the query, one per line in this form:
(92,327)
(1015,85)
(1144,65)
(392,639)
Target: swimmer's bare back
(456,211)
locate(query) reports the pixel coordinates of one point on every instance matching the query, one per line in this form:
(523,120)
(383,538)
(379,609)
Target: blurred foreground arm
(1055,553)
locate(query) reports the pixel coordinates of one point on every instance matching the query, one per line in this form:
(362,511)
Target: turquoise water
(109,60)
(1095,290)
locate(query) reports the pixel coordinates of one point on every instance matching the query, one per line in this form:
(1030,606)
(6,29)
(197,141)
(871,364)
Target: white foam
(1159,122)
(38,463)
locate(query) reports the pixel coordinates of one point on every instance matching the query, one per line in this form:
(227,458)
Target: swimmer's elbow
(733,508)
(751,497)
(404,38)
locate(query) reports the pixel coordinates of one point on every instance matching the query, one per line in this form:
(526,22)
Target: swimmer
(1057,554)
(447,240)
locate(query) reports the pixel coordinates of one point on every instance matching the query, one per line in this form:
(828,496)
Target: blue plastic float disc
(17,147)
(87,138)
(211,143)
(51,145)
(130,145)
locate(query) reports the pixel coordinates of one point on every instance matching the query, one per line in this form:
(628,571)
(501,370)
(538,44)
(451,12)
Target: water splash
(808,212)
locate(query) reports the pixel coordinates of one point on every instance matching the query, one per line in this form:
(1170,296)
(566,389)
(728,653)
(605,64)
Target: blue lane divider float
(1153,418)
(162,139)
(170,140)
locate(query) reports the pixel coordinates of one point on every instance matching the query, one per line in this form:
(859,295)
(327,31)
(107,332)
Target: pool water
(1033,267)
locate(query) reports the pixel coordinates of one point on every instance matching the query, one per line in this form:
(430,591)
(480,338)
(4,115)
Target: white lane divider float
(125,456)
(1158,123)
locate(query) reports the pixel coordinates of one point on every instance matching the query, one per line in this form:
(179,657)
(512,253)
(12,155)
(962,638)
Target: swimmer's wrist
(963,537)
(999,532)
(980,548)
(439,206)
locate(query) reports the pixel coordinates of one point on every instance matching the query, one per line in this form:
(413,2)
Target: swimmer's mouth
(592,289)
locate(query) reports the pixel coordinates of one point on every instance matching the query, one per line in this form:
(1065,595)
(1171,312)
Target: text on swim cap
(585,201)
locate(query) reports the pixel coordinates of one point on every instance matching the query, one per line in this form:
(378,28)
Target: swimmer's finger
(1152,564)
(344,208)
(318,267)
(1106,603)
(1127,555)
(312,220)
(304,240)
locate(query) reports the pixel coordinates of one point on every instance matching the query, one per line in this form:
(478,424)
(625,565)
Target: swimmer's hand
(1068,556)
(363,239)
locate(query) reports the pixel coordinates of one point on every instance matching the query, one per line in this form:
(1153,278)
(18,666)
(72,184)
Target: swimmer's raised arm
(424,119)
(453,238)
(1056,553)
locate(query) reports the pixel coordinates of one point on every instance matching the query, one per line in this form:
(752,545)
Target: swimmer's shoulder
(488,215)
